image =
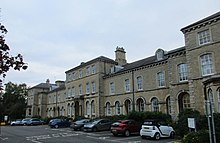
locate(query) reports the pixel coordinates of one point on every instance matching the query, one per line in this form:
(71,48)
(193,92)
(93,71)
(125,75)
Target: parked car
(16,122)
(125,127)
(34,121)
(57,123)
(156,129)
(98,125)
(79,124)
(24,121)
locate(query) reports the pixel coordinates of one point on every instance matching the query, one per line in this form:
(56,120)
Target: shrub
(181,127)
(202,136)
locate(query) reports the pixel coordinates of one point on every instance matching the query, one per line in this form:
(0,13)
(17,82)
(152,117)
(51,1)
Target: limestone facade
(167,82)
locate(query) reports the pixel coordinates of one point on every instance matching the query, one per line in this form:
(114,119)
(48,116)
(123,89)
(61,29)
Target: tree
(14,100)
(6,60)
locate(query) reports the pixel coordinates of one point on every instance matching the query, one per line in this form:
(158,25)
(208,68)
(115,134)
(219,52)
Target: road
(44,134)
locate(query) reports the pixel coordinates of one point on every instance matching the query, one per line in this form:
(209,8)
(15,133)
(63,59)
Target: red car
(125,127)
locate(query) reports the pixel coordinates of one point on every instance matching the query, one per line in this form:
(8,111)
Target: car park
(98,125)
(57,123)
(125,127)
(79,124)
(34,121)
(16,122)
(156,129)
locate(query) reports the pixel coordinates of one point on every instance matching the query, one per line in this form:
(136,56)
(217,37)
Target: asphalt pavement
(45,134)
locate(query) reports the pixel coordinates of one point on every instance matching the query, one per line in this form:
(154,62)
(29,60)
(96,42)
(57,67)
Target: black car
(79,124)
(56,123)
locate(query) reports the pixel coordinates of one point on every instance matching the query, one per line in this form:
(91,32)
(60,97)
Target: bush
(141,116)
(181,127)
(201,136)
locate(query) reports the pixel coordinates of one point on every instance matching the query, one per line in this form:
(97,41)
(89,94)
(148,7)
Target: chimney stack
(120,56)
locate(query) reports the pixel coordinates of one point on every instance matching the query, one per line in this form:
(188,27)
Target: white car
(156,129)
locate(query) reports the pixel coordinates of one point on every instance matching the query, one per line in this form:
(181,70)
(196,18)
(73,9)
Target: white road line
(3,138)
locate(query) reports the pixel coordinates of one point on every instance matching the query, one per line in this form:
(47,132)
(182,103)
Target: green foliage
(13,101)
(141,116)
(7,61)
(181,127)
(115,117)
(202,136)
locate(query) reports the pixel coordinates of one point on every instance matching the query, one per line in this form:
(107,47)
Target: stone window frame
(93,86)
(88,71)
(155,104)
(112,88)
(168,103)
(87,88)
(93,69)
(127,85)
(206,64)
(117,108)
(182,72)
(80,89)
(204,37)
(93,107)
(139,83)
(161,79)
(140,104)
(87,108)
(73,91)
(108,108)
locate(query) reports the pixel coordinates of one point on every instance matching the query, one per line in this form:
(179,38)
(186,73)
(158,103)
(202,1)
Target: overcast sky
(56,35)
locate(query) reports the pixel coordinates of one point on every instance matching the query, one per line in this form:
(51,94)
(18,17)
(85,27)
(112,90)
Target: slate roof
(101,58)
(147,61)
(43,86)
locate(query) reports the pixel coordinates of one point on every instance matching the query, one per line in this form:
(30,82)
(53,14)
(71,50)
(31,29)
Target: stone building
(169,81)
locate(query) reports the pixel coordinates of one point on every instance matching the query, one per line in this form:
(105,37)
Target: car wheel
(56,126)
(172,134)
(127,133)
(114,134)
(143,137)
(157,136)
(94,129)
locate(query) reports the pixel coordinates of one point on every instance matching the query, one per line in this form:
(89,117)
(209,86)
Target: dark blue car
(57,123)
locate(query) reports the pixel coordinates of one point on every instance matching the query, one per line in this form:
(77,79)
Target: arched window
(154,105)
(68,110)
(140,105)
(108,109)
(127,106)
(87,108)
(168,105)
(184,101)
(93,107)
(117,108)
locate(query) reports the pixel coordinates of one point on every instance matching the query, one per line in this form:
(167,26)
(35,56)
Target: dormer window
(160,54)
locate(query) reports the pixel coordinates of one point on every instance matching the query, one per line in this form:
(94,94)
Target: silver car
(98,125)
